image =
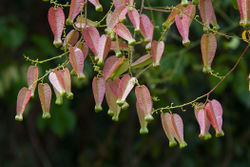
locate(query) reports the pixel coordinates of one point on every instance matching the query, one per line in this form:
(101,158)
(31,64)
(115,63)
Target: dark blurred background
(77,136)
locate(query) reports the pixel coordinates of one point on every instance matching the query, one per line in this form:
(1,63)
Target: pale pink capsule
(144,100)
(125,86)
(91,36)
(208,49)
(59,98)
(244,9)
(113,18)
(84,48)
(74,10)
(23,98)
(118,3)
(104,45)
(56,21)
(111,65)
(67,82)
(122,31)
(122,16)
(171,17)
(166,121)
(118,45)
(45,94)
(147,28)
(98,87)
(142,61)
(32,76)
(134,17)
(157,49)
(214,115)
(98,6)
(71,38)
(76,59)
(57,83)
(206,11)
(143,122)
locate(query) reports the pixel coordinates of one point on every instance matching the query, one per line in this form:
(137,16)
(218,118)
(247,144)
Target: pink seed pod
(32,76)
(144,100)
(81,22)
(111,65)
(59,98)
(170,20)
(166,121)
(71,38)
(157,49)
(183,21)
(244,9)
(23,98)
(76,59)
(177,130)
(214,21)
(45,94)
(113,17)
(125,86)
(91,36)
(104,45)
(206,11)
(122,16)
(208,49)
(147,28)
(67,82)
(122,31)
(74,10)
(214,114)
(143,122)
(98,86)
(56,21)
(57,82)
(118,3)
(84,48)
(142,61)
(201,116)
(98,6)
(134,17)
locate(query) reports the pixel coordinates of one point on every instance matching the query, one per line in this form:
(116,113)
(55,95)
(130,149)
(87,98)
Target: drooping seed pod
(74,10)
(201,116)
(184,3)
(98,6)
(122,31)
(206,11)
(98,87)
(82,23)
(244,8)
(157,49)
(104,45)
(71,38)
(23,98)
(76,59)
(183,21)
(118,3)
(84,48)
(125,86)
(147,28)
(32,76)
(67,82)
(143,122)
(214,21)
(117,46)
(56,21)
(208,49)
(170,20)
(57,83)
(214,115)
(166,121)
(45,94)
(122,16)
(92,36)
(59,98)
(134,17)
(144,100)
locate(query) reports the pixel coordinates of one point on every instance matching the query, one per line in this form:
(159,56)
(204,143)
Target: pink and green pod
(32,76)
(104,45)
(45,94)
(157,49)
(98,6)
(74,10)
(147,28)
(71,38)
(134,17)
(122,31)
(98,87)
(166,121)
(143,122)
(244,9)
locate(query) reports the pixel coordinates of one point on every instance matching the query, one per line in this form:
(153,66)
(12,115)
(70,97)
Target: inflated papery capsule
(98,6)
(57,82)
(157,49)
(206,10)
(244,9)
(117,46)
(82,23)
(183,21)
(122,31)
(113,18)
(104,45)
(67,82)
(142,61)
(214,115)
(45,94)
(32,76)
(118,3)
(208,49)
(125,86)
(134,17)
(74,10)
(84,48)
(91,36)
(166,121)
(56,21)
(59,98)
(71,38)
(76,59)
(147,28)
(201,116)
(98,87)
(111,65)
(171,17)
(143,122)
(144,100)
(23,98)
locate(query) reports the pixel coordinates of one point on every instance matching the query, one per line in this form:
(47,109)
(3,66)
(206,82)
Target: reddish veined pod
(56,21)
(98,87)
(111,65)
(142,61)
(208,49)
(244,8)
(76,59)
(134,17)
(144,100)
(98,6)
(66,82)
(74,10)
(104,45)
(118,3)
(171,17)
(206,10)
(59,98)
(45,94)
(147,28)
(84,48)
(166,121)
(23,98)
(122,31)
(117,46)
(71,38)
(214,114)
(143,122)
(32,76)
(157,49)
(57,83)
